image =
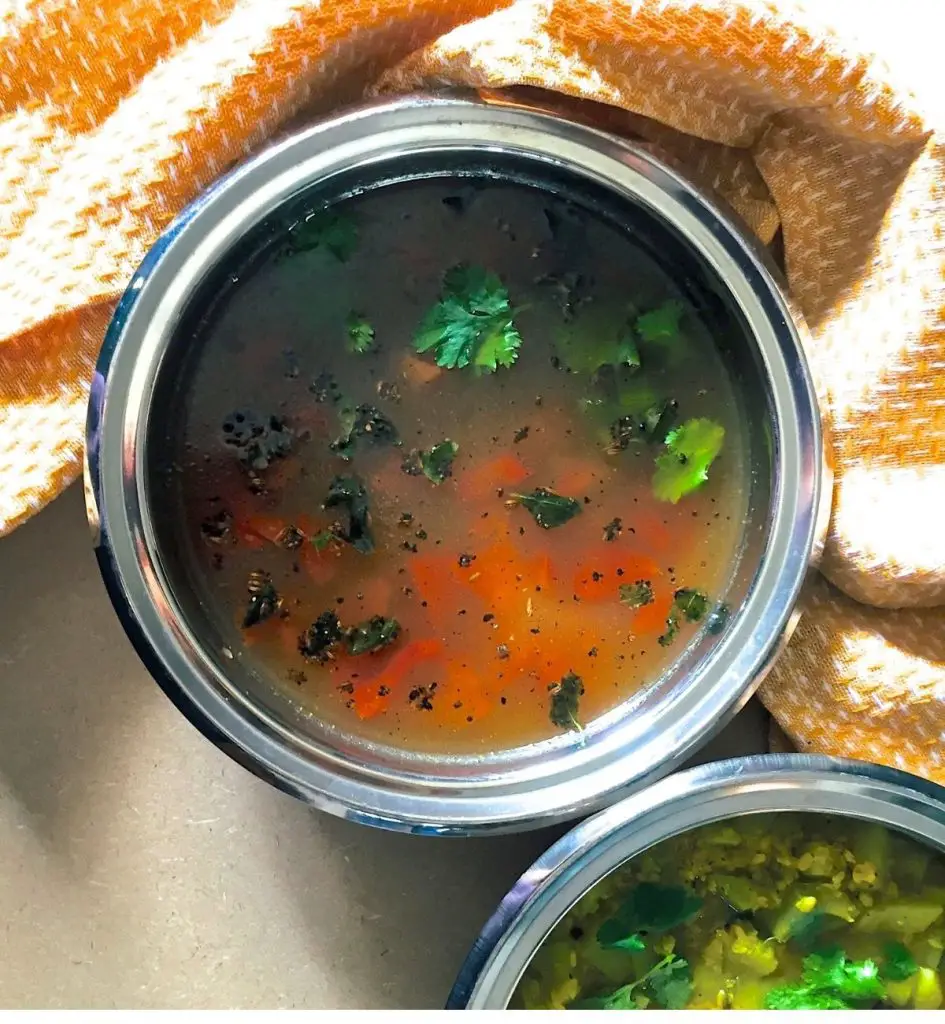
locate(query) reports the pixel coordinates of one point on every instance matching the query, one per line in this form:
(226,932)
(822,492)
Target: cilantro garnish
(650,908)
(350,494)
(662,323)
(688,605)
(547,508)
(599,336)
(829,981)
(437,463)
(898,963)
(322,540)
(317,641)
(362,423)
(668,982)
(372,635)
(325,229)
(683,466)
(360,333)
(471,323)
(636,595)
(671,983)
(633,943)
(565,697)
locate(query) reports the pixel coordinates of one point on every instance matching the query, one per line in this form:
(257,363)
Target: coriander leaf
(802,997)
(632,943)
(264,600)
(650,908)
(670,983)
(598,336)
(636,595)
(317,641)
(547,508)
(622,999)
(362,423)
(565,697)
(683,466)
(688,605)
(853,980)
(471,323)
(898,963)
(350,494)
(323,539)
(437,463)
(499,347)
(325,229)
(360,333)
(372,635)
(662,323)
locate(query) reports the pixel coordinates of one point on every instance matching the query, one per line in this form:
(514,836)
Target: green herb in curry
(472,323)
(565,698)
(684,464)
(349,494)
(360,333)
(547,508)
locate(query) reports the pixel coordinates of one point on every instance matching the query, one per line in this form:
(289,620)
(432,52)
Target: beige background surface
(143,868)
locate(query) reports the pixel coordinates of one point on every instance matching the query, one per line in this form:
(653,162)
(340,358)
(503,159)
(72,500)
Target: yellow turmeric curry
(778,911)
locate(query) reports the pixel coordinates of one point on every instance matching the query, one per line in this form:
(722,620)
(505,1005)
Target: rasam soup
(462,466)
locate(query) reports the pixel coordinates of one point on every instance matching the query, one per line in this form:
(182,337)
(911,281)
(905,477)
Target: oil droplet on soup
(462,469)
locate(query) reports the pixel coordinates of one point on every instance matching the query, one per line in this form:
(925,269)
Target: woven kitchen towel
(116,112)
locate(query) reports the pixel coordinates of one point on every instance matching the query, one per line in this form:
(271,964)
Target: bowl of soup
(780,882)
(454,466)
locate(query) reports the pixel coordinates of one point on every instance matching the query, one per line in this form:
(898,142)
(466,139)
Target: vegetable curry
(462,467)
(774,911)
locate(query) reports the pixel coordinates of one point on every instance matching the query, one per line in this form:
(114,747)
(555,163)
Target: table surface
(144,869)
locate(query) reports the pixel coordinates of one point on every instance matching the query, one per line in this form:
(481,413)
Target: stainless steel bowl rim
(710,793)
(560,778)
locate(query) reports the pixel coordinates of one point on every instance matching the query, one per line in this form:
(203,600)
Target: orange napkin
(115,113)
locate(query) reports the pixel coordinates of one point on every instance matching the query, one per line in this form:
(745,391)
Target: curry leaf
(547,508)
(636,595)
(565,698)
(437,463)
(350,494)
(372,635)
(689,605)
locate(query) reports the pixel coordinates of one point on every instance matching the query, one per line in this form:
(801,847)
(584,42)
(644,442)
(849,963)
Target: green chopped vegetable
(547,508)
(598,336)
(661,324)
(360,333)
(683,466)
(372,635)
(636,595)
(688,606)
(322,540)
(651,908)
(437,463)
(472,323)
(898,963)
(632,943)
(350,494)
(325,229)
(565,698)
(670,983)
(829,981)
(362,423)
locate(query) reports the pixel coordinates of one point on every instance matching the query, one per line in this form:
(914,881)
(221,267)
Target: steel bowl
(142,365)
(700,796)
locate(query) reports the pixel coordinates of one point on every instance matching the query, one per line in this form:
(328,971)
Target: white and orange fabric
(115,113)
